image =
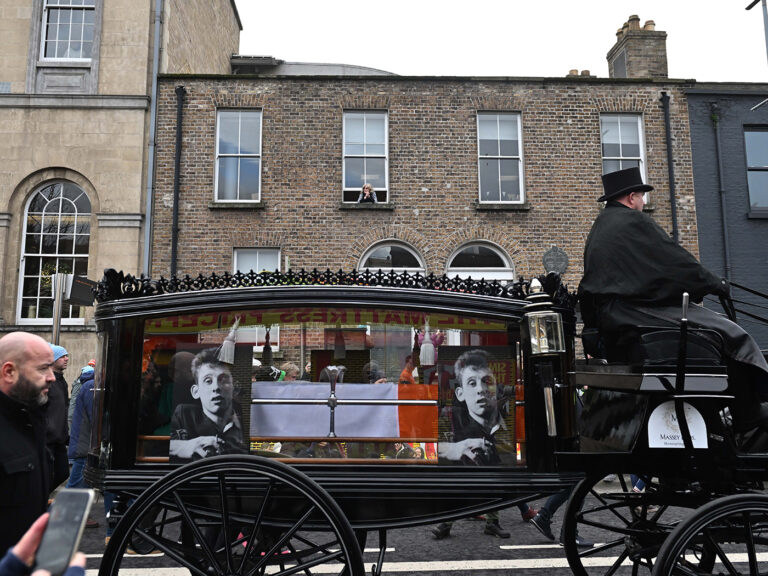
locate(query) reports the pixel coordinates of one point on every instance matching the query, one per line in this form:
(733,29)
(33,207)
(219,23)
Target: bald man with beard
(26,375)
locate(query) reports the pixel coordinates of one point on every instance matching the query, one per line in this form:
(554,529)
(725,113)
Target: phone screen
(69,513)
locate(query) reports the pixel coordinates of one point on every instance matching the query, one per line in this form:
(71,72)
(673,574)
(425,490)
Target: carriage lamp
(546,332)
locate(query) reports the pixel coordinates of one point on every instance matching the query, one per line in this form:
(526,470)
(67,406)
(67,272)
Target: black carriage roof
(123,295)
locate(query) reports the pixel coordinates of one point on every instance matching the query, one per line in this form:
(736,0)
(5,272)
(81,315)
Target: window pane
(81,266)
(374,172)
(510,181)
(49,244)
(354,129)
(609,126)
(66,244)
(31,266)
(81,244)
(227,184)
(229,126)
(269,260)
(508,135)
(249,178)
(247,260)
(374,129)
(477,257)
(29,308)
(488,133)
(65,266)
(37,204)
(611,166)
(46,308)
(33,224)
(353,172)
(758,189)
(32,244)
(489,180)
(82,204)
(30,287)
(83,226)
(629,164)
(250,135)
(391,256)
(757,148)
(375,149)
(630,138)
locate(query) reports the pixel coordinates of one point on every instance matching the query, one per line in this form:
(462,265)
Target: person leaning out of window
(367,194)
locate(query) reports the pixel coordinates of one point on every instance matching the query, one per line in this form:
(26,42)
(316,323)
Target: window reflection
(410,386)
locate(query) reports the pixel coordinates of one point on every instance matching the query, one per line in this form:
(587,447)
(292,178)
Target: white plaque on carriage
(664,430)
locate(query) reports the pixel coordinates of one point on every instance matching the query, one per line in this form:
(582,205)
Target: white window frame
(638,119)
(88,5)
(385,155)
(503,274)
(239,155)
(66,308)
(518,158)
(257,334)
(421,269)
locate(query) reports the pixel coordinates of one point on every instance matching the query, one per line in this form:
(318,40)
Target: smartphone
(69,512)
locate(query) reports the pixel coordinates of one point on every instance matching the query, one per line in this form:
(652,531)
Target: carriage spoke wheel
(627,527)
(726,536)
(236,516)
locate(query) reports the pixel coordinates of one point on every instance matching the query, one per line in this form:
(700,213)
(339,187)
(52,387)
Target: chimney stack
(639,52)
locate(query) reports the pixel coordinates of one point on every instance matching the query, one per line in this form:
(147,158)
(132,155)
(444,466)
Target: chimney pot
(585,73)
(634,22)
(649,25)
(619,34)
(573,72)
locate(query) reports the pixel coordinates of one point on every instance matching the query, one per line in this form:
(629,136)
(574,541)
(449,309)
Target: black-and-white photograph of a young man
(211,426)
(480,434)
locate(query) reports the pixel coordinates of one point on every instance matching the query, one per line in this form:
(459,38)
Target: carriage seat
(653,347)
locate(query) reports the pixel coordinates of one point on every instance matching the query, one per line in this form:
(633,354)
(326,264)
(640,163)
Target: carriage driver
(635,275)
(212,426)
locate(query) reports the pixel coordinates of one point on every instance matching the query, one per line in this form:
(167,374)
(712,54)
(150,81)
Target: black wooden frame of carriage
(377,496)
(374,496)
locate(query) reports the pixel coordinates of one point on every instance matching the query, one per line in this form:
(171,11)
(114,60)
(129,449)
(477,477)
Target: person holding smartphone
(21,558)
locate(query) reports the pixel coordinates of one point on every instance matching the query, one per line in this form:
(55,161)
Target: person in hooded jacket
(57,430)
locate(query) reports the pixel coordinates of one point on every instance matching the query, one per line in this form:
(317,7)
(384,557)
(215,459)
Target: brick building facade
(433,206)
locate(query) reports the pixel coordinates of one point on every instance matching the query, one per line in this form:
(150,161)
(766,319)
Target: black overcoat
(635,275)
(24,472)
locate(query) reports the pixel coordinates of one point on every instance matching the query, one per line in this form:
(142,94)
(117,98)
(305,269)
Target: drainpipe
(176,177)
(152,133)
(715,116)
(670,165)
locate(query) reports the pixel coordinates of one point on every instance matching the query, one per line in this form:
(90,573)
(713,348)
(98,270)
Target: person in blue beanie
(57,430)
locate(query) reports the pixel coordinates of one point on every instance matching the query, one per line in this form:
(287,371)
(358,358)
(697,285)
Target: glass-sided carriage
(295,473)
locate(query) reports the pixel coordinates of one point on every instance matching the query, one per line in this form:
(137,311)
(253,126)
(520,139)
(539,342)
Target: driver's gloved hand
(725,288)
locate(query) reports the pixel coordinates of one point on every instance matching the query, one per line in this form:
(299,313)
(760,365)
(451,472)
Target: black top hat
(623,182)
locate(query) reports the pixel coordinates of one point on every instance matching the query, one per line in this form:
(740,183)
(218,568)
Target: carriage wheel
(627,527)
(726,536)
(237,515)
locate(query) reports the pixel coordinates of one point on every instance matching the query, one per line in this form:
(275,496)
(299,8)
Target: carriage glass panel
(346,384)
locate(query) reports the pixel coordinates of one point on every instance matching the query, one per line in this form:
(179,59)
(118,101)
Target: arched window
(392,256)
(481,261)
(57,230)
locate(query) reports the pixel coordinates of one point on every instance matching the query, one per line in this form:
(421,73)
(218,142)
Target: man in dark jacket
(26,376)
(80,438)
(635,275)
(58,408)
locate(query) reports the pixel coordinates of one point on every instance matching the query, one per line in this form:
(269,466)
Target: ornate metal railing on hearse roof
(118,285)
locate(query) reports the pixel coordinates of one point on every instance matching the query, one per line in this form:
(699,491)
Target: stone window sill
(501,207)
(237,205)
(385,206)
(758,214)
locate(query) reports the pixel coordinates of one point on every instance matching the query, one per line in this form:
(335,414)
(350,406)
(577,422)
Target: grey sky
(707,40)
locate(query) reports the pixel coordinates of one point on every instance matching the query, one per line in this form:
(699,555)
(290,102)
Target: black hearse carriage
(295,473)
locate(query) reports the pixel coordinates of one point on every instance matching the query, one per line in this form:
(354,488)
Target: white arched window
(392,256)
(57,231)
(481,261)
